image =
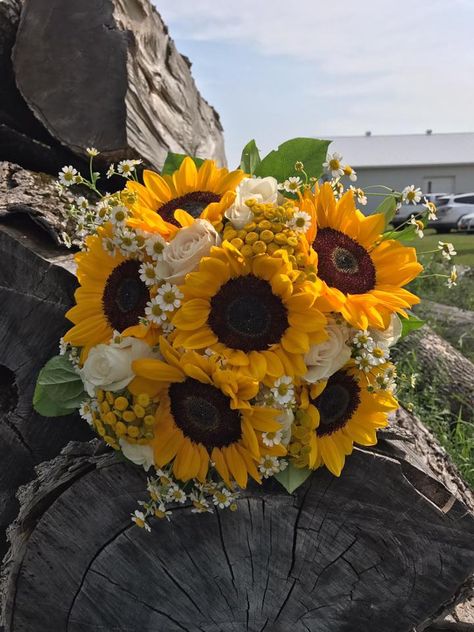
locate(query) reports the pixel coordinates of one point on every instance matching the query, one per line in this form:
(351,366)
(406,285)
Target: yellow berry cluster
(302,429)
(267,232)
(131,417)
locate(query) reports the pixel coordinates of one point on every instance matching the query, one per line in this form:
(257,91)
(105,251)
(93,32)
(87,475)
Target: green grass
(454,433)
(462,242)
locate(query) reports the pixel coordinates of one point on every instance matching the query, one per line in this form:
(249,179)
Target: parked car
(451,208)
(407,210)
(466,223)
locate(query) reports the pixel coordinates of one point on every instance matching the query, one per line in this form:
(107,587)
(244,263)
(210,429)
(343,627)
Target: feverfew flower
(293,184)
(300,222)
(269,465)
(85,411)
(272,438)
(201,504)
(364,361)
(155,246)
(453,277)
(360,195)
(138,517)
(447,250)
(92,152)
(283,390)
(154,312)
(363,340)
(118,215)
(222,498)
(333,164)
(169,297)
(110,171)
(67,176)
(379,355)
(411,195)
(127,167)
(126,241)
(176,495)
(432,210)
(82,203)
(350,172)
(419,226)
(148,273)
(161,512)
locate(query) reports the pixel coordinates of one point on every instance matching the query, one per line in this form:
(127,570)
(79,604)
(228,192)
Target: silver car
(466,223)
(407,210)
(451,209)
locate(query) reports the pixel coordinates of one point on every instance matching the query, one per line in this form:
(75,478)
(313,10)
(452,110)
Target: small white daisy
(419,226)
(283,390)
(154,312)
(169,297)
(453,277)
(82,203)
(350,172)
(85,411)
(447,250)
(379,355)
(110,171)
(222,498)
(139,518)
(148,273)
(127,167)
(67,176)
(162,513)
(272,438)
(300,222)
(269,465)
(432,210)
(363,340)
(333,164)
(63,346)
(293,184)
(176,495)
(126,241)
(364,361)
(118,215)
(92,152)
(411,195)
(360,195)
(155,246)
(201,504)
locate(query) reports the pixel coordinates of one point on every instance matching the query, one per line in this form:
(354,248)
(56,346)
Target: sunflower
(335,414)
(362,273)
(111,296)
(166,203)
(255,312)
(205,415)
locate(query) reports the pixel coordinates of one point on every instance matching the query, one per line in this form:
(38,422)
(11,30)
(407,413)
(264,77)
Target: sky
(275,70)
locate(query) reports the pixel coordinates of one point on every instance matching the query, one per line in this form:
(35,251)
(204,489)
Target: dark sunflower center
(194,203)
(337,403)
(343,263)
(203,413)
(246,315)
(125,296)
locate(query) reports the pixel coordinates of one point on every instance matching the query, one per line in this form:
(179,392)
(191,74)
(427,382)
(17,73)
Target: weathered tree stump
(443,367)
(36,288)
(379,549)
(107,74)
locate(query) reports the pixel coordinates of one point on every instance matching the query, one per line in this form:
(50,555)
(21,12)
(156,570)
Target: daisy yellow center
(194,203)
(203,414)
(337,403)
(125,296)
(343,263)
(246,315)
(334,164)
(169,297)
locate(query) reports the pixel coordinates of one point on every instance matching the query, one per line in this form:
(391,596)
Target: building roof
(405,150)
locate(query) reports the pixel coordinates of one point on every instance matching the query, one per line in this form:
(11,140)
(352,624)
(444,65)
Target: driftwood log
(107,74)
(443,367)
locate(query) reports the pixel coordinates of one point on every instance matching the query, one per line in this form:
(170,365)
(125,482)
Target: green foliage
(292,477)
(410,324)
(250,158)
(280,163)
(59,388)
(387,207)
(173,162)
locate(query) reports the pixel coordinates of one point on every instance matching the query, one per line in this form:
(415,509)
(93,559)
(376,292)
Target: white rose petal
(109,367)
(185,251)
(262,190)
(286,419)
(390,336)
(325,359)
(138,454)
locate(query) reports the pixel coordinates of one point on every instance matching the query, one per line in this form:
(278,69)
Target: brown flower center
(343,263)
(204,415)
(125,296)
(246,315)
(194,203)
(337,403)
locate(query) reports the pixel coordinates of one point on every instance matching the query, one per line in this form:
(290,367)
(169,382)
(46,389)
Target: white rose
(388,337)
(110,366)
(185,251)
(325,359)
(138,454)
(286,419)
(262,190)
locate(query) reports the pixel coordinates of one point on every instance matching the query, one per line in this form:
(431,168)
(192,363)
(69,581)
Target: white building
(437,163)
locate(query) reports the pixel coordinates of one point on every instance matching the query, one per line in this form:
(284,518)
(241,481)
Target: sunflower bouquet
(232,325)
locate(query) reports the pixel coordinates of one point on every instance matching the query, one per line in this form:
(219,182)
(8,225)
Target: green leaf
(280,163)
(173,162)
(410,324)
(250,157)
(59,388)
(292,477)
(387,207)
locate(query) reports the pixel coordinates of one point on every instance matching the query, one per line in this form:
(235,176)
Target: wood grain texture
(366,552)
(117,82)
